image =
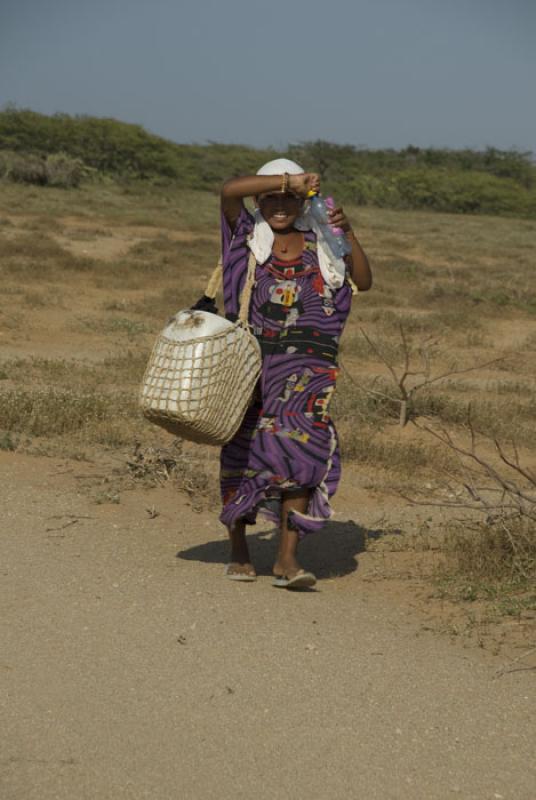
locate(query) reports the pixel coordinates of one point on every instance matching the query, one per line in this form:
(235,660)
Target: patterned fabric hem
(318,512)
(319,509)
(265,502)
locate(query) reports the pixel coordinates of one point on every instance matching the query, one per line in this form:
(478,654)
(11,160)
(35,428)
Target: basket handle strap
(214,282)
(245,297)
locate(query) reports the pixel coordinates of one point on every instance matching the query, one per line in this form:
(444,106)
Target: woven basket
(197,386)
(199,389)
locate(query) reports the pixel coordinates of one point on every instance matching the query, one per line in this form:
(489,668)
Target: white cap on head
(279,166)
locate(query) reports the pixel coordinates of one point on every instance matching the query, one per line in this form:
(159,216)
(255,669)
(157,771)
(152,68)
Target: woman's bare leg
(286,562)
(240,561)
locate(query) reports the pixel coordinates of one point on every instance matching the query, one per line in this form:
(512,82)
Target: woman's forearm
(251,185)
(236,189)
(358,264)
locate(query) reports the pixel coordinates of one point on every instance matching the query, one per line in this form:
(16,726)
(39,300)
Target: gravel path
(131,669)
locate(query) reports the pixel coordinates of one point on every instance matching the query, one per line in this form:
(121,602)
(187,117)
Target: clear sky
(378,73)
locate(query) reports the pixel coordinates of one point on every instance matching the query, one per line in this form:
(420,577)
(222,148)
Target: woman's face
(280,209)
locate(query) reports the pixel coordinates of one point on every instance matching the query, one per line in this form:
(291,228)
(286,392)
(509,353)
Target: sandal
(301,580)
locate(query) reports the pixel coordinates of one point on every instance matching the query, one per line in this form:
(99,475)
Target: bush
(4,164)
(460,181)
(58,169)
(63,171)
(27,169)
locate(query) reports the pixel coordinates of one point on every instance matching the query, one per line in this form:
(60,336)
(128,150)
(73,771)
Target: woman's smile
(280,209)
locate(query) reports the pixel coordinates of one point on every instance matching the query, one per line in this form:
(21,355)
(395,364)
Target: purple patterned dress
(287,440)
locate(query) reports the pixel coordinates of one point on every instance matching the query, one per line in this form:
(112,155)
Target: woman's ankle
(240,556)
(239,545)
(286,563)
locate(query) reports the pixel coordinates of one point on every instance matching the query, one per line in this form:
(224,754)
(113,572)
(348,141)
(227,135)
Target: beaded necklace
(289,269)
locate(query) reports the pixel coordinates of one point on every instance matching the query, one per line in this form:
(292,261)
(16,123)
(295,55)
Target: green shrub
(4,163)
(58,169)
(27,169)
(63,171)
(460,181)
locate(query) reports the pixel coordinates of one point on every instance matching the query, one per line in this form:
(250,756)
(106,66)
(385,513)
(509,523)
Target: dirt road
(131,669)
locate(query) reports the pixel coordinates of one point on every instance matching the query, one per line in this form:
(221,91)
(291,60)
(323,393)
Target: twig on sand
(504,670)
(72,519)
(62,527)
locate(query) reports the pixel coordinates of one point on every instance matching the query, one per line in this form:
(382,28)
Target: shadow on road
(331,552)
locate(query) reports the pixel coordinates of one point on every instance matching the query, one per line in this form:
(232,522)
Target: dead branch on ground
(414,374)
(501,489)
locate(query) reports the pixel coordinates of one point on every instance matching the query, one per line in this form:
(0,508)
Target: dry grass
(466,282)
(121,370)
(49,411)
(137,205)
(493,562)
(493,551)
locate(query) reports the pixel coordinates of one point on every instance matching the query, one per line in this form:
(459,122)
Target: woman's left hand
(338,219)
(356,260)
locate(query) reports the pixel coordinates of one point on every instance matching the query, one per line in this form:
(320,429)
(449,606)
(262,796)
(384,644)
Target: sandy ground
(131,668)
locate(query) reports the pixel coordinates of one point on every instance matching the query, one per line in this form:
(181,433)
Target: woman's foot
(286,565)
(287,571)
(239,567)
(237,571)
(289,575)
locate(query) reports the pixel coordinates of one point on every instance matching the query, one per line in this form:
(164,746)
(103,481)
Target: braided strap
(214,282)
(245,297)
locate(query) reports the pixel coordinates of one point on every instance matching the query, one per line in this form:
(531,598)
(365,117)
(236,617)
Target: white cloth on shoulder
(261,241)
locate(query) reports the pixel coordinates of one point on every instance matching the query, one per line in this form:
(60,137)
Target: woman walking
(284,460)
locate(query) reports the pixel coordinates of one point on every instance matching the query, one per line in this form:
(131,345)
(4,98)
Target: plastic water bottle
(335,237)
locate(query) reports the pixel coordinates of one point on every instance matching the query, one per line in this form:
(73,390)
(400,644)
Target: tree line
(489,181)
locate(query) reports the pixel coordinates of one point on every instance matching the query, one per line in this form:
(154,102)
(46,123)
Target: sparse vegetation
(48,411)
(61,150)
(491,533)
(90,312)
(56,169)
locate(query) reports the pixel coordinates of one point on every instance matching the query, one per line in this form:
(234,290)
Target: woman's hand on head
(304,183)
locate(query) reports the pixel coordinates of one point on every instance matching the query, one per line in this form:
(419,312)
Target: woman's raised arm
(234,190)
